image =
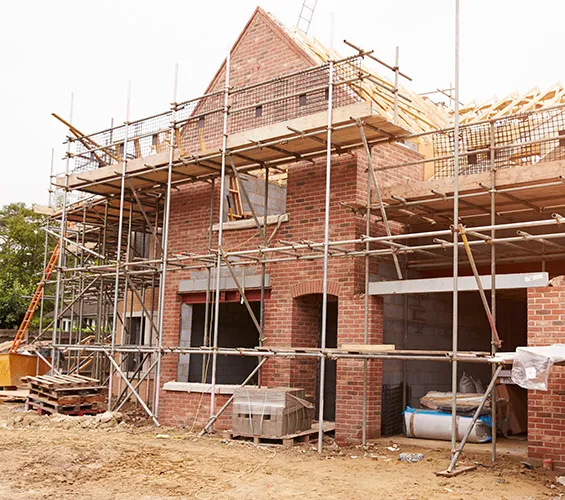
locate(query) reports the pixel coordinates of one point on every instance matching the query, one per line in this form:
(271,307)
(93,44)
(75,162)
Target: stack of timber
(65,394)
(466,403)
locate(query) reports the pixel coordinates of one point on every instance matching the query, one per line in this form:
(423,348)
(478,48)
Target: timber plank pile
(65,394)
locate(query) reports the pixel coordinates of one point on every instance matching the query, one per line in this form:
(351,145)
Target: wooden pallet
(66,391)
(65,407)
(13,396)
(44,410)
(62,381)
(66,394)
(286,441)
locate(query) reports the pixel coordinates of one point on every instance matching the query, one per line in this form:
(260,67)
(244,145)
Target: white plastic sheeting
(532,365)
(428,424)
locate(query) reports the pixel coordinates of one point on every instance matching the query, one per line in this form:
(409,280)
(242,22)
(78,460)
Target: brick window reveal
(236,329)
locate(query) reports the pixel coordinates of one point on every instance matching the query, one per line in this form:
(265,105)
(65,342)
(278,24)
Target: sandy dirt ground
(83,458)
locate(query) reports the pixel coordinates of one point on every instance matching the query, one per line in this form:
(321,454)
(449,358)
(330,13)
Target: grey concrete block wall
(240,271)
(185,341)
(255,188)
(427,321)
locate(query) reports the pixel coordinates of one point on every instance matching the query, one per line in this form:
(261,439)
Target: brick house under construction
(259,268)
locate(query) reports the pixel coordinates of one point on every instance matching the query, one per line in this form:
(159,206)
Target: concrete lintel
(199,387)
(465,283)
(226,283)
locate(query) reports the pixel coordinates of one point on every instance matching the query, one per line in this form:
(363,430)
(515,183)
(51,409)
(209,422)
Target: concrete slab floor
(504,446)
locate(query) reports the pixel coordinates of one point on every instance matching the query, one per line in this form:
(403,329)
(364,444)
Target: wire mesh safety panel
(293,96)
(199,122)
(145,137)
(518,140)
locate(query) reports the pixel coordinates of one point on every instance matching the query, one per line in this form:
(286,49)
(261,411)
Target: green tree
(21,260)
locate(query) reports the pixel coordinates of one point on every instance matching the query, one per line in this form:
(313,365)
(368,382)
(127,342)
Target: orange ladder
(36,299)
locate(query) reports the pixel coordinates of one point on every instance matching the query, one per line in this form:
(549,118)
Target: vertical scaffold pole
(220,237)
(165,244)
(81,303)
(206,338)
(264,265)
(455,325)
(153,302)
(126,327)
(102,313)
(46,245)
(118,252)
(366,318)
(326,255)
(396,78)
(61,243)
(494,335)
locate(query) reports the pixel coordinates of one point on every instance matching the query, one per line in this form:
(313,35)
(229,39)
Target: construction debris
(410,458)
(456,472)
(23,347)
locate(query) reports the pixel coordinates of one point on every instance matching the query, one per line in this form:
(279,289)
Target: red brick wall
(395,154)
(192,410)
(305,204)
(546,409)
(284,321)
(261,53)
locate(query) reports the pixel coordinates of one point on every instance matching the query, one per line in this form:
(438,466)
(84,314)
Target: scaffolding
(115,241)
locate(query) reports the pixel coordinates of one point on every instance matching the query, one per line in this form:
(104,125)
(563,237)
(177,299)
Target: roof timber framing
(513,104)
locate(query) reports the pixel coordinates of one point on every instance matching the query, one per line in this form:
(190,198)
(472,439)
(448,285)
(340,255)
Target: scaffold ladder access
(35,300)
(306,15)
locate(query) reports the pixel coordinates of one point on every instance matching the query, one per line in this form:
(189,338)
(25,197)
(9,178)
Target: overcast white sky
(50,49)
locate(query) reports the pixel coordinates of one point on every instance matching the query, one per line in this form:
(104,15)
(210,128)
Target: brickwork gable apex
(277,28)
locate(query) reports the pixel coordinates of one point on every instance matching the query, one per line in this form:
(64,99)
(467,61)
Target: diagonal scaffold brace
(132,388)
(497,342)
(377,189)
(215,417)
(451,471)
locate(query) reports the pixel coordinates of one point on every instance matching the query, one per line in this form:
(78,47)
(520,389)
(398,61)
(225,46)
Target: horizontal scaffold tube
(444,356)
(339,252)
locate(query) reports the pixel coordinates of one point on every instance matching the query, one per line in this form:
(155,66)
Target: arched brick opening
(306,331)
(314,287)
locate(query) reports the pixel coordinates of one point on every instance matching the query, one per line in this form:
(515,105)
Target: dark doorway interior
(236,329)
(331,367)
(134,336)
